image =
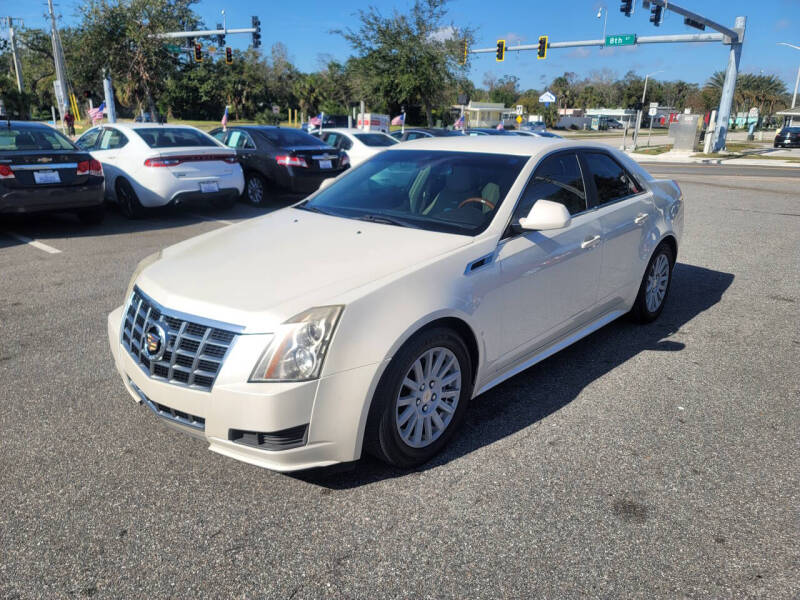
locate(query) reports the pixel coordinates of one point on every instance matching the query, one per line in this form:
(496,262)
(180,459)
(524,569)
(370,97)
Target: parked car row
(144,165)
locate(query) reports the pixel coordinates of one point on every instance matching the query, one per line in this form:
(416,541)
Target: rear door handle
(590,242)
(641,218)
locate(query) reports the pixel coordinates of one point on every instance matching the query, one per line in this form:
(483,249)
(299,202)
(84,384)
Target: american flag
(500,126)
(316,121)
(96,114)
(225,118)
(460,123)
(399,119)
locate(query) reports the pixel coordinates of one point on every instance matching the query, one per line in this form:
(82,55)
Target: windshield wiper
(308,207)
(382,219)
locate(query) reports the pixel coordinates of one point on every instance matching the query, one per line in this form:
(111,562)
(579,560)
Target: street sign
(520,109)
(175,49)
(276,109)
(519,118)
(547,98)
(653,110)
(621,39)
(212,49)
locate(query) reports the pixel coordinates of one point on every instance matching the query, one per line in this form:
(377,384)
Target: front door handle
(590,242)
(641,218)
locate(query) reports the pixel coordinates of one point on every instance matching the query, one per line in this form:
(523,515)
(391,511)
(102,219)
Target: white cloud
(443,33)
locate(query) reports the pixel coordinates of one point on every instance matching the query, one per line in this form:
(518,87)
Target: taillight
(90,167)
(6,172)
(291,161)
(173,161)
(162,162)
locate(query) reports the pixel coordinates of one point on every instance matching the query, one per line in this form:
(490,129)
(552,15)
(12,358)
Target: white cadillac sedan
(369,315)
(360,145)
(148,165)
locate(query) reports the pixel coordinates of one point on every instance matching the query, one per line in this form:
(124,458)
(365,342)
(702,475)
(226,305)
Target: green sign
(623,39)
(173,48)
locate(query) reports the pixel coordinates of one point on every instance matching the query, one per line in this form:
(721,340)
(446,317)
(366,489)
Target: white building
(483,114)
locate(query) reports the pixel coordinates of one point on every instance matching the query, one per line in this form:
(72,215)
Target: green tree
(407,58)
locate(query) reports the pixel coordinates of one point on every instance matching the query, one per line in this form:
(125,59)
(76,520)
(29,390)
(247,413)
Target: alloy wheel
(255,190)
(428,397)
(657,280)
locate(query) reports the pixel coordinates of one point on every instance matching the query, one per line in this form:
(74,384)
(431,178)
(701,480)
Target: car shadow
(58,225)
(511,407)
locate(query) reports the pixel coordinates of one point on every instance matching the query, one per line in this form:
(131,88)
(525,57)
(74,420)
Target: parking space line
(212,219)
(32,242)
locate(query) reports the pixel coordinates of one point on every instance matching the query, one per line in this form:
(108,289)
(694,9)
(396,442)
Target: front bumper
(333,408)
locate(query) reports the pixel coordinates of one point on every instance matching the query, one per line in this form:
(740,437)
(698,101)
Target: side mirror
(546,214)
(325,183)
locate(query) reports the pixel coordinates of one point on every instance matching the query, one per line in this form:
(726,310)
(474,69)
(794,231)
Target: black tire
(93,215)
(382,438)
(255,189)
(128,200)
(640,312)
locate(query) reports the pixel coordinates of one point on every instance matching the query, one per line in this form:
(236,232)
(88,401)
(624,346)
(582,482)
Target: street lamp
(797,81)
(600,12)
(639,116)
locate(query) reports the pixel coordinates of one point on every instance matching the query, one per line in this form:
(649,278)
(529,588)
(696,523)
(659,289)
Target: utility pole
(641,110)
(62,89)
(796,81)
(731,74)
(17,65)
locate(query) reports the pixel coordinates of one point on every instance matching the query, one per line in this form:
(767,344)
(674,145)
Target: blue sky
(305,29)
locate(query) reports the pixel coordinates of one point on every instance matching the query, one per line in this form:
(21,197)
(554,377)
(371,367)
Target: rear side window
(112,139)
(173,137)
(30,138)
(558,178)
(375,139)
(611,180)
(239,139)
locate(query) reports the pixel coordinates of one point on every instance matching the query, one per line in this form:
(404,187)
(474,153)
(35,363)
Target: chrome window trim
(45,166)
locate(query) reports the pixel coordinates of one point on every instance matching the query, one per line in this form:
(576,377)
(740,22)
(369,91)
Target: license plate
(46,177)
(325,164)
(208,187)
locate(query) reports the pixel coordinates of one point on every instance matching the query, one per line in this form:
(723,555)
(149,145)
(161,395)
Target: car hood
(261,272)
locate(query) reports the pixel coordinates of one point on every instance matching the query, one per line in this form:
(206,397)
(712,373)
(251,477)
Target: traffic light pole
(202,33)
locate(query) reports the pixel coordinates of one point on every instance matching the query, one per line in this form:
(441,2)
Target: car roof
(134,126)
(350,130)
(520,145)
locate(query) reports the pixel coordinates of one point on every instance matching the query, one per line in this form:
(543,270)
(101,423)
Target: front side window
(451,192)
(558,178)
(610,179)
(88,139)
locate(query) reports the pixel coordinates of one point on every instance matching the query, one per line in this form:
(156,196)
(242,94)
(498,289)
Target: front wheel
(421,399)
(655,286)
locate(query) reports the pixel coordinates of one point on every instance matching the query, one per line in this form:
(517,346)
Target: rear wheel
(128,200)
(655,286)
(93,215)
(421,399)
(254,189)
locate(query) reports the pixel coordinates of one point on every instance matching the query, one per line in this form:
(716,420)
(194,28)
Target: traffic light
(257,33)
(463,60)
(655,14)
(220,36)
(198,53)
(693,23)
(501,50)
(542,51)
(626,6)
(229,55)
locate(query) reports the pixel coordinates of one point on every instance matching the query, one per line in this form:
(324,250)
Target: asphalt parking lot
(644,461)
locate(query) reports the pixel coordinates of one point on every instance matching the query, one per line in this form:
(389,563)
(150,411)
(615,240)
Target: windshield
(289,137)
(375,139)
(174,137)
(451,192)
(33,138)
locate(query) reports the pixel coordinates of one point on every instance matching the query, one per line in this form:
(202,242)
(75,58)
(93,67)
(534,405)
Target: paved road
(653,462)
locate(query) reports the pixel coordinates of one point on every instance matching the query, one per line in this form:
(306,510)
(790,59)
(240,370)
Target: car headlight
(143,264)
(297,350)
